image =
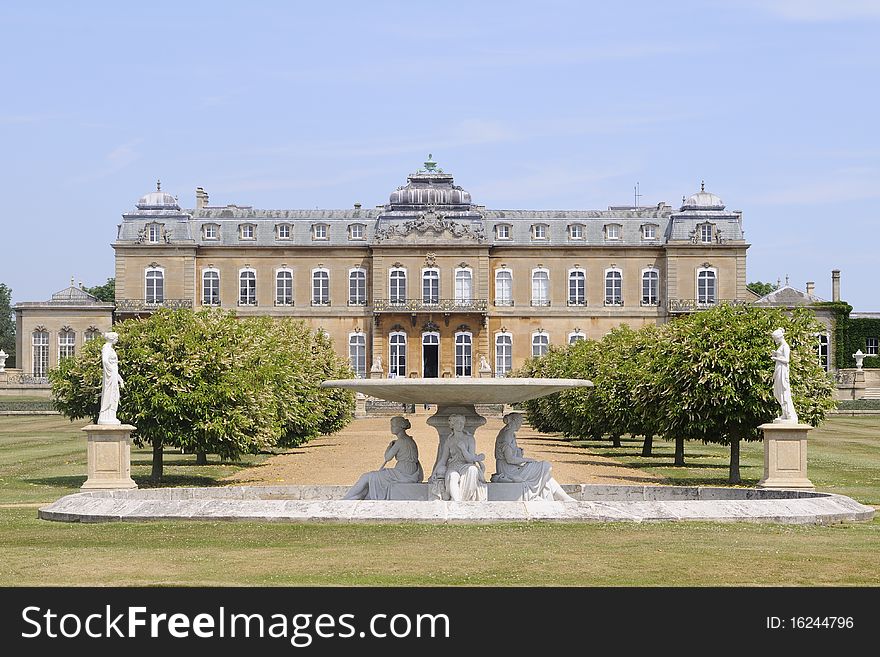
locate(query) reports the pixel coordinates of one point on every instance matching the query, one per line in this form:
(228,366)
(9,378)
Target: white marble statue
(781,384)
(377,364)
(859,356)
(484,364)
(112,382)
(3,357)
(460,466)
(511,467)
(376,485)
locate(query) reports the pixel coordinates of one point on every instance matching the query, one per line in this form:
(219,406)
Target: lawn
(42,458)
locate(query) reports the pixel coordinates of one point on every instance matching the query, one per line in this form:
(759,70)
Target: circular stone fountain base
(595,503)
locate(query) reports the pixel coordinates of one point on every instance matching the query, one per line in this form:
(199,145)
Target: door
(430,355)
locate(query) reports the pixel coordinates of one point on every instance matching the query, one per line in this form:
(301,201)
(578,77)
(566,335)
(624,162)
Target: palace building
(426,283)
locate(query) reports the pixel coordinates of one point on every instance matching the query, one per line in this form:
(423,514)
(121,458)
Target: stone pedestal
(859,385)
(360,405)
(785,456)
(109,450)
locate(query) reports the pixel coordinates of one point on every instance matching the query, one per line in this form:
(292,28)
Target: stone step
(872,393)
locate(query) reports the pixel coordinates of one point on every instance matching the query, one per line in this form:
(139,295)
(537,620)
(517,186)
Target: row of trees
(706,376)
(207,382)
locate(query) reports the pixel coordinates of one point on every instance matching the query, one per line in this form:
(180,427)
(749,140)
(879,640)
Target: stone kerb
(109,457)
(785,456)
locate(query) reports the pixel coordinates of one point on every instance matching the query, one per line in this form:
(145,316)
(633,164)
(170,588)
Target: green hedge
(859,405)
(27,405)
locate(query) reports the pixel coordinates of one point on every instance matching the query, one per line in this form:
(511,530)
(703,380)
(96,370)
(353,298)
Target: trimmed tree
(7,324)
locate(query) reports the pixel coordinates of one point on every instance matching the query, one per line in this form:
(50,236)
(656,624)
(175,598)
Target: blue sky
(530,105)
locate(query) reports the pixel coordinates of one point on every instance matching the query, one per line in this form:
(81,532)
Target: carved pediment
(431,225)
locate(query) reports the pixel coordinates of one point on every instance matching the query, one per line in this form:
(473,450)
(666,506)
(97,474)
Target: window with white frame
(649,232)
(613,287)
(283,287)
(707,286)
(540,343)
(822,349)
(397,354)
(612,231)
(40,342)
(319,232)
(247,287)
(430,286)
(539,231)
(154,233)
(871,347)
(503,353)
(503,287)
(91,333)
(320,287)
(211,231)
(357,287)
(357,354)
(282,231)
(210,287)
(66,343)
(706,233)
(503,231)
(540,287)
(247,231)
(576,231)
(397,285)
(463,353)
(650,287)
(577,287)
(576,336)
(154,285)
(463,285)
(357,232)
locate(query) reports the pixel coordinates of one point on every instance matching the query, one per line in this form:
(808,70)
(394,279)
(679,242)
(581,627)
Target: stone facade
(430,280)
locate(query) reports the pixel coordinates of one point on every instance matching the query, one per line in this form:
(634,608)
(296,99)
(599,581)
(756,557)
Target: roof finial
(786,279)
(702,185)
(430,165)
(158,185)
(71,281)
(778,282)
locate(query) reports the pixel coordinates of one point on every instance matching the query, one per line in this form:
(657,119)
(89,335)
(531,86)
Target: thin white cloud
(856,184)
(818,11)
(537,185)
(115,161)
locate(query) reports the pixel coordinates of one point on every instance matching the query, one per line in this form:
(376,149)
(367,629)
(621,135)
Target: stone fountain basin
(595,503)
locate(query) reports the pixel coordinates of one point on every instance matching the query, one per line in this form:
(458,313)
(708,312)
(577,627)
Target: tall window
(871,346)
(612,231)
(463,285)
(41,352)
(503,353)
(577,287)
(66,344)
(430,286)
(211,287)
(540,343)
(155,286)
(613,287)
(822,349)
(707,284)
(706,233)
(397,289)
(153,233)
(540,287)
(247,287)
(320,287)
(357,287)
(91,334)
(397,346)
(357,354)
(650,287)
(576,336)
(284,287)
(463,347)
(503,287)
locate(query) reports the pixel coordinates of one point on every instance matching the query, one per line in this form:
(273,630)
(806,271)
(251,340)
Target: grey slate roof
(787,296)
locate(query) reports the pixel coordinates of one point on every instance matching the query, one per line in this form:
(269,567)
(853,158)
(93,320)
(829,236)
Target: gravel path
(343,457)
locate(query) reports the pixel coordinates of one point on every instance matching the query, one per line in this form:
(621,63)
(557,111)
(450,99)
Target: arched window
(66,343)
(463,285)
(357,354)
(613,287)
(540,287)
(540,343)
(577,287)
(707,286)
(247,287)
(650,287)
(503,353)
(430,286)
(154,290)
(41,353)
(92,333)
(357,287)
(576,336)
(397,285)
(210,287)
(397,353)
(822,349)
(320,287)
(463,353)
(503,287)
(283,287)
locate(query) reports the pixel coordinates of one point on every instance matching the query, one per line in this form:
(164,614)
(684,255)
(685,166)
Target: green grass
(43,458)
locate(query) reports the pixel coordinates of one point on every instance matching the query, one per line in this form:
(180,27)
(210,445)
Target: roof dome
(157,200)
(703,200)
(429,187)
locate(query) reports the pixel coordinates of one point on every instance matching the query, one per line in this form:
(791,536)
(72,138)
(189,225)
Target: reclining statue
(376,485)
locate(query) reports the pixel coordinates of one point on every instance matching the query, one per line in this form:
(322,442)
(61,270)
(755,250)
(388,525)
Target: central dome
(157,200)
(703,200)
(429,187)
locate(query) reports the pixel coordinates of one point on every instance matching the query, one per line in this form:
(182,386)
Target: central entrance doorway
(430,355)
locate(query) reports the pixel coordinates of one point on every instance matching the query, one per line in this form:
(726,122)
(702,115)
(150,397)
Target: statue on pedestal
(3,357)
(460,466)
(112,382)
(512,467)
(781,384)
(376,485)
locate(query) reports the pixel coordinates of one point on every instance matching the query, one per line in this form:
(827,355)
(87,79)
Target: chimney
(811,287)
(835,285)
(201,198)
(357,206)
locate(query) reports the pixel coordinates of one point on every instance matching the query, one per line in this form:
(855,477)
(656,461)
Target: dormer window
(357,232)
(247,231)
(539,231)
(319,232)
(706,233)
(576,232)
(154,233)
(649,232)
(211,231)
(282,231)
(503,232)
(612,231)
